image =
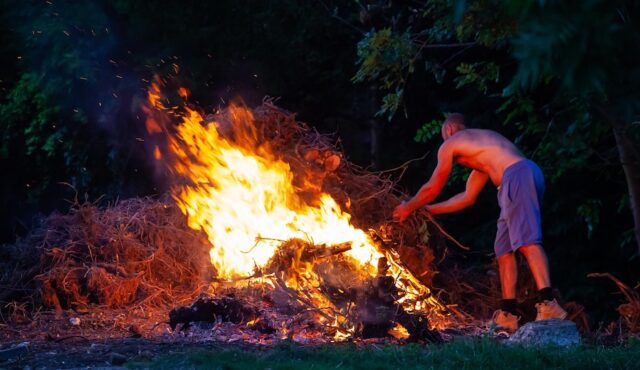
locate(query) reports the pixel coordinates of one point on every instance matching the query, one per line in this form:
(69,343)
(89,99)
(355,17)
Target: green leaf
(390,104)
(427,131)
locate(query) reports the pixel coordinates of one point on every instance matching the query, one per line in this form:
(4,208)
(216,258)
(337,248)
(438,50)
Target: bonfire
(277,202)
(267,233)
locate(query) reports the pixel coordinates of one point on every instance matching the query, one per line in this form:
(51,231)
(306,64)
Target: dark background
(73,76)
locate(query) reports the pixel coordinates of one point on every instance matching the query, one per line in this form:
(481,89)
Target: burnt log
(375,301)
(295,252)
(207,309)
(377,308)
(379,311)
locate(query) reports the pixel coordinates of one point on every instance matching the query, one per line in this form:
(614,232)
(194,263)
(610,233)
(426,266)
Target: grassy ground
(460,354)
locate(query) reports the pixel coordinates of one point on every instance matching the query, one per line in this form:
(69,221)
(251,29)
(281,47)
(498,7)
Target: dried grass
(137,251)
(630,310)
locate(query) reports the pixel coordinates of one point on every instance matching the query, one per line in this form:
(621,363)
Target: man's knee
(506,258)
(529,248)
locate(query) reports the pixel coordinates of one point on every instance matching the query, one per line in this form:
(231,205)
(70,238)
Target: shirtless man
(520,186)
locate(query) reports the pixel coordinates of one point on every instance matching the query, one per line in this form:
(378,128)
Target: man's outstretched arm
(476,181)
(429,191)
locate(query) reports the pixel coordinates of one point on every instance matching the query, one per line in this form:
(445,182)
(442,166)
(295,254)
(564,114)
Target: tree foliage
(559,78)
(541,66)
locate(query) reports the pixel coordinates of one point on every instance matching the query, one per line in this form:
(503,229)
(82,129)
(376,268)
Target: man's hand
(402,211)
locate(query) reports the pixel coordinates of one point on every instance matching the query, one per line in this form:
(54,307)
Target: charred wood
(207,309)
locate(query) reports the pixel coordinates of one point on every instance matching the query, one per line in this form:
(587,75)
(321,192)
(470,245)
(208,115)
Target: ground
(459,354)
(141,339)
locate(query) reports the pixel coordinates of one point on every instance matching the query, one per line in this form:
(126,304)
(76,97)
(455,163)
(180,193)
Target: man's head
(453,124)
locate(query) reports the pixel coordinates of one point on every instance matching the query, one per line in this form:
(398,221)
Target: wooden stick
(442,230)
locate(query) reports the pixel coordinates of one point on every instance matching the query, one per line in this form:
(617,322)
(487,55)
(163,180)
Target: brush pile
(141,251)
(319,166)
(136,251)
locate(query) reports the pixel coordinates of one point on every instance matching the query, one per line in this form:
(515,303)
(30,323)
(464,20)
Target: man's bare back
(482,150)
(487,152)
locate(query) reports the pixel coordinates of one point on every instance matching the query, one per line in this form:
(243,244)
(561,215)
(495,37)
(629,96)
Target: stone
(555,332)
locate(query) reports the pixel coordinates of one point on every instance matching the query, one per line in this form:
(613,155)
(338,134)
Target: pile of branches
(138,251)
(319,166)
(313,289)
(141,250)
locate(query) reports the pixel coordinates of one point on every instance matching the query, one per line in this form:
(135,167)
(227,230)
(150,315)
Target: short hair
(455,119)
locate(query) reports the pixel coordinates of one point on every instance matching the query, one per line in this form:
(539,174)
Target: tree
(590,49)
(559,75)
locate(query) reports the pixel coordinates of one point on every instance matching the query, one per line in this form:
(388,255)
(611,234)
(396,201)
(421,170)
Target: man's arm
(429,191)
(476,181)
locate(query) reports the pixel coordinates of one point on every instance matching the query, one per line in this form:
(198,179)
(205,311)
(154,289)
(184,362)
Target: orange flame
(243,198)
(183,92)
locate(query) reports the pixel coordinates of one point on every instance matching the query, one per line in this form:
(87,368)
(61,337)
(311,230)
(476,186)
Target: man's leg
(506,316)
(508,268)
(538,263)
(548,308)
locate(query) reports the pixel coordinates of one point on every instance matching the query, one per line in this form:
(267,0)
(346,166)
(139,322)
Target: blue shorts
(519,197)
